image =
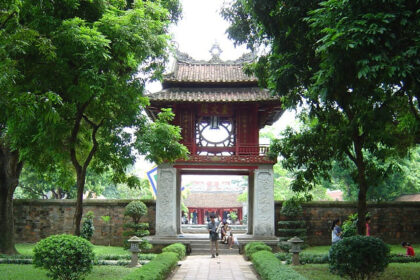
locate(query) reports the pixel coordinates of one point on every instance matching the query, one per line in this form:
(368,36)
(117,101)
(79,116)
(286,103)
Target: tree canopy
(82,66)
(354,65)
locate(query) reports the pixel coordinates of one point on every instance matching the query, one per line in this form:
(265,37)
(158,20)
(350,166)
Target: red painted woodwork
(203,212)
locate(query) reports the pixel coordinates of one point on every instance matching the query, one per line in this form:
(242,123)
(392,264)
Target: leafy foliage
(176,248)
(350,226)
(269,267)
(291,208)
(87,226)
(253,247)
(346,62)
(359,257)
(136,209)
(157,269)
(66,257)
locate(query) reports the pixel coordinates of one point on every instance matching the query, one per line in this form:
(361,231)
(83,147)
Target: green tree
(355,66)
(24,111)
(72,87)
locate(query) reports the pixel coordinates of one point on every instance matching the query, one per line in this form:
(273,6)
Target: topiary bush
(291,208)
(87,226)
(269,267)
(253,247)
(136,210)
(157,269)
(176,248)
(359,257)
(294,226)
(65,257)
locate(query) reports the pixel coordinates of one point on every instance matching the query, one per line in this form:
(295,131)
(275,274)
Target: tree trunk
(81,175)
(363,187)
(10,168)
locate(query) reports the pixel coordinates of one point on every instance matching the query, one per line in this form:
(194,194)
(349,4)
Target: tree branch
(3,24)
(73,137)
(94,141)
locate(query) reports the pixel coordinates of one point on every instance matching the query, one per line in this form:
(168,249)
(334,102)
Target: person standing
(336,231)
(367,226)
(213,228)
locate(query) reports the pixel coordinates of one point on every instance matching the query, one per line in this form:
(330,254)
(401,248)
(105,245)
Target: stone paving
(223,267)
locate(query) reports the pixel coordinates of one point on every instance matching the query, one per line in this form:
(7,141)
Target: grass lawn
(29,272)
(395,249)
(394,271)
(26,249)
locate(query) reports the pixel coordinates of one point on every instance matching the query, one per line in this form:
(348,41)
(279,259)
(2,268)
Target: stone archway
(260,198)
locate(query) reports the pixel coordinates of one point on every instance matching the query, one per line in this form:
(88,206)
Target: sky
(200,27)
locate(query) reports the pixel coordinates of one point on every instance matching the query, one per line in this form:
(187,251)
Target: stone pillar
(263,218)
(178,202)
(250,210)
(166,206)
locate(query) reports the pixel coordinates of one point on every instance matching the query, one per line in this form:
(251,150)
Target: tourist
(229,236)
(410,250)
(223,232)
(213,228)
(367,226)
(336,231)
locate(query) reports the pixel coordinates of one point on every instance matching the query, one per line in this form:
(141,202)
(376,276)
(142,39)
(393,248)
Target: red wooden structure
(220,111)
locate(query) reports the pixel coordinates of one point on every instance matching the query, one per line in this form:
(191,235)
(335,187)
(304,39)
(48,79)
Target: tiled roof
(213,95)
(209,72)
(212,200)
(409,197)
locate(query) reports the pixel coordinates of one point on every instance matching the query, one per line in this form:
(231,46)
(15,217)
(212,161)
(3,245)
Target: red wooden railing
(254,150)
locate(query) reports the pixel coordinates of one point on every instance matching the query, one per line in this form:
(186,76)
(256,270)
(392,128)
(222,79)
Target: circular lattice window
(215,132)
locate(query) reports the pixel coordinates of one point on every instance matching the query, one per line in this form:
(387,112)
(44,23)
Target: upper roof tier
(188,71)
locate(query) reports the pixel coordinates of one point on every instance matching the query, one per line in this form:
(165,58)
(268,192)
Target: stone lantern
(295,243)
(134,248)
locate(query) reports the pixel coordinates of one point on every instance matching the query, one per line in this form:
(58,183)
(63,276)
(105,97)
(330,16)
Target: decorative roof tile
(253,94)
(209,72)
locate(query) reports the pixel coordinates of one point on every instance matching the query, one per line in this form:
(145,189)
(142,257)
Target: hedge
(157,269)
(270,268)
(176,248)
(253,247)
(306,258)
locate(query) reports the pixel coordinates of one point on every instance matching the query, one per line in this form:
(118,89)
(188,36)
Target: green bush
(136,210)
(87,226)
(350,226)
(359,257)
(157,269)
(66,257)
(270,268)
(291,208)
(176,248)
(253,247)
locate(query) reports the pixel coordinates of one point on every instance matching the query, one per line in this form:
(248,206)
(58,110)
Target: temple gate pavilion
(220,111)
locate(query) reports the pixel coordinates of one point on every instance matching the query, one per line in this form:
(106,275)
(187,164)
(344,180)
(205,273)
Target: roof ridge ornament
(215,51)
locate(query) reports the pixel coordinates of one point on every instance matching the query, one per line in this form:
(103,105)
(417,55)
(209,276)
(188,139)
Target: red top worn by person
(410,250)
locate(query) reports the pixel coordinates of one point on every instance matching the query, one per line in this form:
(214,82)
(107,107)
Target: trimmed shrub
(176,248)
(253,247)
(136,210)
(65,257)
(87,226)
(157,269)
(291,208)
(270,268)
(359,257)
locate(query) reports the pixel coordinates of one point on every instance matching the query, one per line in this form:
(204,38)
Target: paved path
(220,268)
